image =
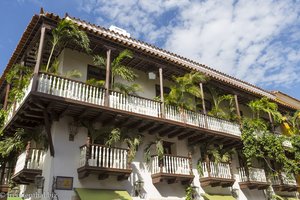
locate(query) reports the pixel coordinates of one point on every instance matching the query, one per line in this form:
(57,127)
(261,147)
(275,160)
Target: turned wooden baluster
(88,146)
(190,162)
(207,164)
(27,158)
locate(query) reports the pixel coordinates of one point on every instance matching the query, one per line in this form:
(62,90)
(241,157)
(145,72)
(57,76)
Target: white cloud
(252,40)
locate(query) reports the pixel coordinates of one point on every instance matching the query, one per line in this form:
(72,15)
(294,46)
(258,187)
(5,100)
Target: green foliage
(159,149)
(190,193)
(19,78)
(200,168)
(114,135)
(263,105)
(218,154)
(119,70)
(185,89)
(67,32)
(217,110)
(96,83)
(3,116)
(261,144)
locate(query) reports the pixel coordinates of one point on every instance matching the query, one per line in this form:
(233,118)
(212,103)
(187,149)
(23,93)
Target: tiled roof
(145,47)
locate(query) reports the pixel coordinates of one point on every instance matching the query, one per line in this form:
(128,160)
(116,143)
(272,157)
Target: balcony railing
(283,179)
(31,159)
(29,164)
(103,157)
(216,170)
(171,165)
(15,106)
(255,175)
(5,174)
(71,89)
(103,161)
(171,168)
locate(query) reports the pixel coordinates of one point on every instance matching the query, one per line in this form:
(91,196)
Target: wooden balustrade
(171,165)
(64,87)
(172,169)
(217,170)
(5,174)
(103,157)
(135,104)
(216,174)
(29,164)
(103,161)
(284,182)
(254,174)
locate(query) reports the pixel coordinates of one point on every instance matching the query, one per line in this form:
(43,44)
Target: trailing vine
(262,144)
(190,193)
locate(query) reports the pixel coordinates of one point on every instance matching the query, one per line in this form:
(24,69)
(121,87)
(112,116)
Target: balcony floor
(288,188)
(103,173)
(26,176)
(172,178)
(254,185)
(30,115)
(4,188)
(214,181)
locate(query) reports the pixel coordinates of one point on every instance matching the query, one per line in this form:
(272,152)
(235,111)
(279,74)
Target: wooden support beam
(166,131)
(176,132)
(155,129)
(39,59)
(202,98)
(107,78)
(186,135)
(6,96)
(48,131)
(237,107)
(146,127)
(161,84)
(135,124)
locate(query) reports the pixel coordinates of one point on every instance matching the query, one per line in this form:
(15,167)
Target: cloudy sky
(256,41)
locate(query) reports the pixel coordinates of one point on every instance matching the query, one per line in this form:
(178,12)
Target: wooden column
(272,122)
(207,164)
(27,154)
(190,163)
(107,78)
(88,146)
(39,59)
(161,84)
(6,96)
(237,107)
(48,131)
(203,104)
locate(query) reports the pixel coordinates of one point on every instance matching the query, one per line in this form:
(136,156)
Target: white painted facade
(67,153)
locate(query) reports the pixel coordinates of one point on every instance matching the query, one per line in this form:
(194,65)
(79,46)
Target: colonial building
(69,112)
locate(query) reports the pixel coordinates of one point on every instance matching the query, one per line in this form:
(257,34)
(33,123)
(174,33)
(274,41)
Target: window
(157,90)
(94,72)
(168,147)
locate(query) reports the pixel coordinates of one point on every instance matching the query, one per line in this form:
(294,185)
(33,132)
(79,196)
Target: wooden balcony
(253,178)
(61,96)
(216,174)
(171,169)
(5,175)
(103,161)
(29,165)
(284,182)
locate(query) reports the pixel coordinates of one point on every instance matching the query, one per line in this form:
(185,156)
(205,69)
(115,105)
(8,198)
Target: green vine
(190,193)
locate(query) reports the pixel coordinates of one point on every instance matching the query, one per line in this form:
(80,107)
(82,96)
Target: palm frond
(99,61)
(73,74)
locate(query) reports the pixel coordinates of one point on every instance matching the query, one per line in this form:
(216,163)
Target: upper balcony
(253,178)
(29,165)
(172,169)
(284,182)
(103,161)
(62,96)
(5,174)
(216,174)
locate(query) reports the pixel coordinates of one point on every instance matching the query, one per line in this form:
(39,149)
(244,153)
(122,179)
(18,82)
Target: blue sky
(256,41)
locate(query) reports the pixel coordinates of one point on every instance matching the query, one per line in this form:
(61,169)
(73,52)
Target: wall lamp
(138,187)
(39,182)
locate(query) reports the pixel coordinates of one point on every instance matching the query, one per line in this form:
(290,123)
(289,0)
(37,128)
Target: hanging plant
(159,149)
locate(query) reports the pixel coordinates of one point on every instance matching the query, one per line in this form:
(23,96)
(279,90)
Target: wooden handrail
(173,156)
(101,145)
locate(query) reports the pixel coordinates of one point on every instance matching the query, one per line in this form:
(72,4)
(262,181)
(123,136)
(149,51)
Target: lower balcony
(216,174)
(253,178)
(29,165)
(103,161)
(171,169)
(5,174)
(284,182)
